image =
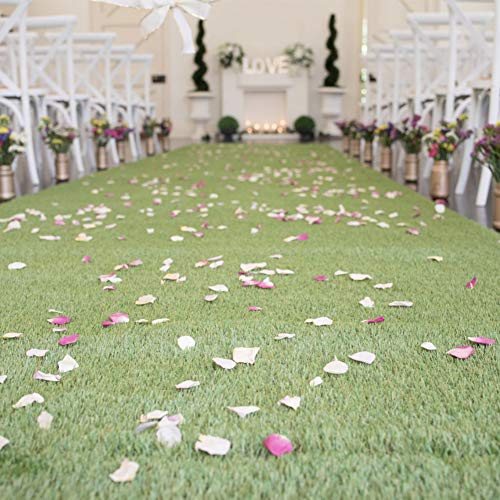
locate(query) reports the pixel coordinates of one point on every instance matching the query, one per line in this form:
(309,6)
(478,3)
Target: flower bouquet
(487,153)
(148,129)
(165,129)
(368,135)
(411,134)
(102,132)
(387,135)
(59,140)
(12,144)
(299,55)
(345,129)
(120,134)
(229,54)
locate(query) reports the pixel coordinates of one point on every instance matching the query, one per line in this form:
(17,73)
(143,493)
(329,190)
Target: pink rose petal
(471,284)
(461,352)
(59,320)
(380,319)
(321,278)
(278,445)
(482,340)
(119,317)
(302,237)
(105,324)
(70,339)
(86,259)
(254,308)
(135,263)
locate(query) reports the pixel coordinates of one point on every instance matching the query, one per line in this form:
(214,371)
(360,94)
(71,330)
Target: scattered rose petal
(159,321)
(227,364)
(401,303)
(169,435)
(340,273)
(283,336)
(37,353)
(3,442)
(28,400)
(126,472)
(212,445)
(60,320)
(187,384)
(383,286)
(481,340)
(367,302)
(278,445)
(3,378)
(45,420)
(219,288)
(211,298)
(292,402)
(435,258)
(461,352)
(67,364)
(336,367)
(360,277)
(380,319)
(322,321)
(145,299)
(186,342)
(245,355)
(316,381)
(255,309)
(243,411)
(321,278)
(471,284)
(153,415)
(428,346)
(16,266)
(86,259)
(12,335)
(363,357)
(119,317)
(47,377)
(68,340)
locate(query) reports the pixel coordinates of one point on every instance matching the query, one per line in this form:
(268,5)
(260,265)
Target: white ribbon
(159,11)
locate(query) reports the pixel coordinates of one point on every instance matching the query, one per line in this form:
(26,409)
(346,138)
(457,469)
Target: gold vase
(345,144)
(7,190)
(411,167)
(62,167)
(496,220)
(102,158)
(150,146)
(165,143)
(355,149)
(440,183)
(368,156)
(385,159)
(120,145)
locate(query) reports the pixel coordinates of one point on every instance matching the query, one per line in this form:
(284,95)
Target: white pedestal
(331,108)
(201,112)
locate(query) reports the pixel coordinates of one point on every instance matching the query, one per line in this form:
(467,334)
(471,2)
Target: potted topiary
(331,94)
(305,126)
(200,97)
(228,126)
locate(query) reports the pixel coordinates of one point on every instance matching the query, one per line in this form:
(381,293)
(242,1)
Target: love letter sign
(273,65)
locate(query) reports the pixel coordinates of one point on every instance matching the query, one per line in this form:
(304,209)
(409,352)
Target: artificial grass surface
(413,424)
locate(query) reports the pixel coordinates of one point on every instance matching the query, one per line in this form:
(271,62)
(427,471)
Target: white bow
(159,10)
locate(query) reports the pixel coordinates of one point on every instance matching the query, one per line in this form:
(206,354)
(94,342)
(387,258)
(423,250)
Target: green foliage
(198,77)
(305,125)
(228,125)
(333,73)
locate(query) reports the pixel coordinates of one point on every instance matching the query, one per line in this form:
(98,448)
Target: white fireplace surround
(237,86)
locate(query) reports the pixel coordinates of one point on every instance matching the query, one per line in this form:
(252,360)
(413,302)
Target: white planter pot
(201,112)
(331,108)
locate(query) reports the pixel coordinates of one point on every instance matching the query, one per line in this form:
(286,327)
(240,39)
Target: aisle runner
(245,301)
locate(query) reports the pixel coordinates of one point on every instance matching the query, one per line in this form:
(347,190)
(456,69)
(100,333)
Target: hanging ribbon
(159,11)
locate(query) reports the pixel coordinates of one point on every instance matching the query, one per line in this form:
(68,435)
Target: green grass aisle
(412,424)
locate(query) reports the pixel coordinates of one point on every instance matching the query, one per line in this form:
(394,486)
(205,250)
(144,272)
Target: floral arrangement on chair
(149,126)
(487,149)
(345,127)
(165,127)
(120,132)
(12,143)
(367,132)
(388,134)
(58,139)
(229,54)
(444,141)
(101,131)
(300,55)
(411,134)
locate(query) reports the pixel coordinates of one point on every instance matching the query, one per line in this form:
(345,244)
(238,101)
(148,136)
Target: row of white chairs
(49,69)
(440,66)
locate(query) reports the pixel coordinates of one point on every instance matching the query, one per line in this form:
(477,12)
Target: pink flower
(471,284)
(70,339)
(461,352)
(433,150)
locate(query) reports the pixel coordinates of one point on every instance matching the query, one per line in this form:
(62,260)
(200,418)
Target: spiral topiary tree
(333,72)
(198,76)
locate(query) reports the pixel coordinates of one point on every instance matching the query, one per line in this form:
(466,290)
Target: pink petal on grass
(471,284)
(70,339)
(380,319)
(302,237)
(59,320)
(278,445)
(119,317)
(254,308)
(461,352)
(87,259)
(482,340)
(321,278)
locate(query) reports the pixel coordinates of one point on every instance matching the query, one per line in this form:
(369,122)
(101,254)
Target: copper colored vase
(121,151)
(102,158)
(345,144)
(355,149)
(165,143)
(496,220)
(368,156)
(411,167)
(440,183)
(7,191)
(150,146)
(385,159)
(62,167)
